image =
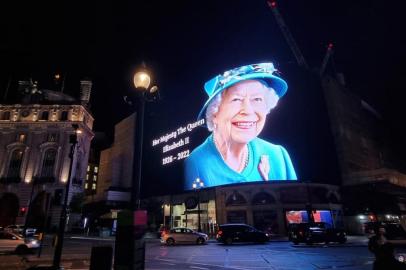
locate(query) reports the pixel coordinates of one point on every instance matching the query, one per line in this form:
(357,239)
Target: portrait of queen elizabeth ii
(235,112)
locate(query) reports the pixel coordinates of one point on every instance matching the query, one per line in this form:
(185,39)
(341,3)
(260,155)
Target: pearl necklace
(243,163)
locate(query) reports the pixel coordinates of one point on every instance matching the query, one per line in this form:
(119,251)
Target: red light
(23,209)
(220,232)
(330,46)
(272,4)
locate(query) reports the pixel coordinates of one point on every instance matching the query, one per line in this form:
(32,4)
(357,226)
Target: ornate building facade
(269,206)
(34,155)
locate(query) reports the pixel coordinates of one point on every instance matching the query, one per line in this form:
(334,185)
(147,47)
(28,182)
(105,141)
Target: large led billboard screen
(253,122)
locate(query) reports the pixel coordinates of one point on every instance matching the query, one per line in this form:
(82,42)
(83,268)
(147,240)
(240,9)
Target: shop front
(270,207)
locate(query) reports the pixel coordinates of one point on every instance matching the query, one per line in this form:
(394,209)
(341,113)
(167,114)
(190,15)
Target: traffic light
(23,211)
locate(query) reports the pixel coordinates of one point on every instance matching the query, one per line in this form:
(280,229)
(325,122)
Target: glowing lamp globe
(142,80)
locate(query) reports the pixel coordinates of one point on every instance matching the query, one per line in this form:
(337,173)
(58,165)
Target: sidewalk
(152,236)
(352,240)
(23,262)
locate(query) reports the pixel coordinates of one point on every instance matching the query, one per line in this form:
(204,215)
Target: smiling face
(242,112)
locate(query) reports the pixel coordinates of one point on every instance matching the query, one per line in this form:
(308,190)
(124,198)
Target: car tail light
(219,233)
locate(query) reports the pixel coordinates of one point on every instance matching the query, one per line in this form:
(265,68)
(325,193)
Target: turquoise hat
(263,72)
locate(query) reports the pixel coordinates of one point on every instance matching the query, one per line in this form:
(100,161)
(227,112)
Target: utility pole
(309,206)
(197,185)
(73,140)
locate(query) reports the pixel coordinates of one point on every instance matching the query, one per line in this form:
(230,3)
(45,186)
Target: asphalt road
(280,255)
(274,255)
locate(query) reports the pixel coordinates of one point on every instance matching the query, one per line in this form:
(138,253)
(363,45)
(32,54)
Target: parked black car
(317,232)
(229,233)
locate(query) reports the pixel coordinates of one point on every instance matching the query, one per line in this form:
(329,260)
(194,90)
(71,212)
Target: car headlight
(401,258)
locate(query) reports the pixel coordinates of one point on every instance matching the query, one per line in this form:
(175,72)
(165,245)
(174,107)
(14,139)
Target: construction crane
(292,43)
(326,58)
(288,36)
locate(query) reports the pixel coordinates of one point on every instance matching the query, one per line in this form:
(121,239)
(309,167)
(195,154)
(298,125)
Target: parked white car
(18,229)
(11,242)
(183,236)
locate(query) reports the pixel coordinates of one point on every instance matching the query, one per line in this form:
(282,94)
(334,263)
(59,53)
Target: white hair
(271,99)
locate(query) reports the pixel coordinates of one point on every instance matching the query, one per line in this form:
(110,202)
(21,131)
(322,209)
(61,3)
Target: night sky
(185,43)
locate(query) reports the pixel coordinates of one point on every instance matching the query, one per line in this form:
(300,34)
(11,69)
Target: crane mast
(288,36)
(326,58)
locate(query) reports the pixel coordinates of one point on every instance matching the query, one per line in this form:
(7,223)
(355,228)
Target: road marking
(195,267)
(90,238)
(165,260)
(263,257)
(206,264)
(226,259)
(171,264)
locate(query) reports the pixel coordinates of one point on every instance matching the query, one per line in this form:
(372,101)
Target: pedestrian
(377,240)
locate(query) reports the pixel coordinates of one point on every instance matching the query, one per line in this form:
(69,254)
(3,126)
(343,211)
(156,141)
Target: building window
(5,116)
(236,199)
(15,164)
(266,220)
(93,186)
(88,168)
(49,163)
(96,169)
(78,171)
(44,115)
(86,185)
(332,198)
(237,216)
(25,113)
(94,178)
(263,198)
(21,138)
(87,177)
(52,137)
(64,116)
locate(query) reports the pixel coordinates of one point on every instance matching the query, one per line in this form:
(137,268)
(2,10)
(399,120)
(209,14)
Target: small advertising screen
(301,216)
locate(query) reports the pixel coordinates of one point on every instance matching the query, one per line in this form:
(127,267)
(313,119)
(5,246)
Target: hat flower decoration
(263,72)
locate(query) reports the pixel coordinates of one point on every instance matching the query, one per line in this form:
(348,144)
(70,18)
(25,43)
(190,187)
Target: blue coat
(206,163)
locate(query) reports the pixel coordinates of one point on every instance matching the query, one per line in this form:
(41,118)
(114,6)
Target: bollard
(139,254)
(101,258)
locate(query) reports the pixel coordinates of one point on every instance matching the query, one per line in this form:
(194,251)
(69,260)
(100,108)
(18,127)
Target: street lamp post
(73,140)
(197,185)
(130,251)
(29,211)
(309,206)
(141,81)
